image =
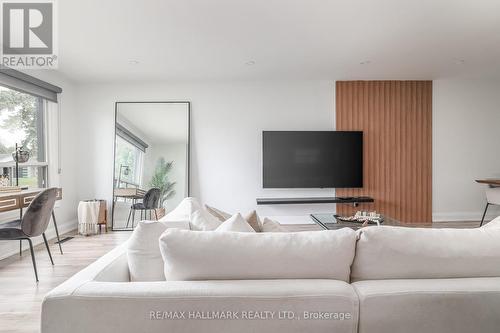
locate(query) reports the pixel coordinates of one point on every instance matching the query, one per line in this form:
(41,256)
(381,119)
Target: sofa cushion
(143,251)
(235,223)
(190,255)
(151,307)
(406,253)
(429,305)
(183,210)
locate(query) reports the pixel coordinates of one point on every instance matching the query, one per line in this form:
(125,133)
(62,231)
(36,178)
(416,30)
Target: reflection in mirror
(151,164)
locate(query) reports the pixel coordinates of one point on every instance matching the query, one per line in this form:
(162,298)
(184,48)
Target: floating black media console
(313,200)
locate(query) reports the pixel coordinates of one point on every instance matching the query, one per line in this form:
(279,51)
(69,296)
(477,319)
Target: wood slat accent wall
(396,120)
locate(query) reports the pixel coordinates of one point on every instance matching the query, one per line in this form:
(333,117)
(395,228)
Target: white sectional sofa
(379,279)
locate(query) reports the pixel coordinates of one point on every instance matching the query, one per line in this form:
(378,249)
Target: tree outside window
(22,122)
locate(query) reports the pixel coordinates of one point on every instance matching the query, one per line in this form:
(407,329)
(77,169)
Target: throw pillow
(143,250)
(219,214)
(269,225)
(253,219)
(235,223)
(201,220)
(183,210)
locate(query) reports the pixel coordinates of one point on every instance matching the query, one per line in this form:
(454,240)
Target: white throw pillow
(269,225)
(423,253)
(183,210)
(201,255)
(235,223)
(219,214)
(143,250)
(201,220)
(253,219)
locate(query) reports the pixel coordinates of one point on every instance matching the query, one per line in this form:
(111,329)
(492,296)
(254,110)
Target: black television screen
(312,159)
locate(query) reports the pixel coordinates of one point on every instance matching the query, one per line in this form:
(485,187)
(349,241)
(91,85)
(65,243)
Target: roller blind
(16,80)
(130,137)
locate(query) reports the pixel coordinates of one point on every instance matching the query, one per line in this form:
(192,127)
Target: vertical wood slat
(396,119)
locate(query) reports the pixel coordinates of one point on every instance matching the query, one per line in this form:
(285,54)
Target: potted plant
(160,180)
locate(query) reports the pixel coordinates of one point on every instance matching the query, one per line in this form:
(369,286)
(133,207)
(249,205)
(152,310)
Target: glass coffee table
(330,221)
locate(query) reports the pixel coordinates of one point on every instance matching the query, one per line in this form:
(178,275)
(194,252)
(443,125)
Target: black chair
(33,223)
(149,203)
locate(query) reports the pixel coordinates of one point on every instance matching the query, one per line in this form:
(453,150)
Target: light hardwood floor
(21,297)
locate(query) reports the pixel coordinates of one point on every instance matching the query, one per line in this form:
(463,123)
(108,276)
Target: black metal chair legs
(149,203)
(48,249)
(144,215)
(129,214)
(57,232)
(484,214)
(33,253)
(33,258)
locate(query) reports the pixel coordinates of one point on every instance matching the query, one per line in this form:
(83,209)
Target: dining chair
(33,223)
(149,203)
(492,198)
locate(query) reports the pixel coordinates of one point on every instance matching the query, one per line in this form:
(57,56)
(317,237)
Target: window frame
(41,162)
(138,167)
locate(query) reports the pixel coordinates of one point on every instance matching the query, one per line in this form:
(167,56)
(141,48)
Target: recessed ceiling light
(365,62)
(133,62)
(250,63)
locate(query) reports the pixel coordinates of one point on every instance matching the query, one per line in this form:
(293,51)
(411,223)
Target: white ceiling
(186,40)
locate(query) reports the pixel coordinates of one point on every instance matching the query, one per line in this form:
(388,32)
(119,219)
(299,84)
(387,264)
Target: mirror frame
(114,152)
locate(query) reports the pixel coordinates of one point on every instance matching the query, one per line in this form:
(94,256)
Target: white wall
(226,124)
(227,120)
(466,146)
(66,209)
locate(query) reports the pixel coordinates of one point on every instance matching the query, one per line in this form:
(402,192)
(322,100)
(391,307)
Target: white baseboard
(463,216)
(9,248)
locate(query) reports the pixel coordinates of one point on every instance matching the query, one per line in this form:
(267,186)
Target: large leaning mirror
(151,160)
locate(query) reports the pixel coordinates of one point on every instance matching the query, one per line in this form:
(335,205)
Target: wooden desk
(490,182)
(129,193)
(133,193)
(18,200)
(10,201)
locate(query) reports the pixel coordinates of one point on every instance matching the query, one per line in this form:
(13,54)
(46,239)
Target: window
(23,121)
(129,164)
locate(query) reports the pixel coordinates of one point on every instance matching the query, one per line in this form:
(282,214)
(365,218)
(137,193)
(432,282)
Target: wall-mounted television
(312,159)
